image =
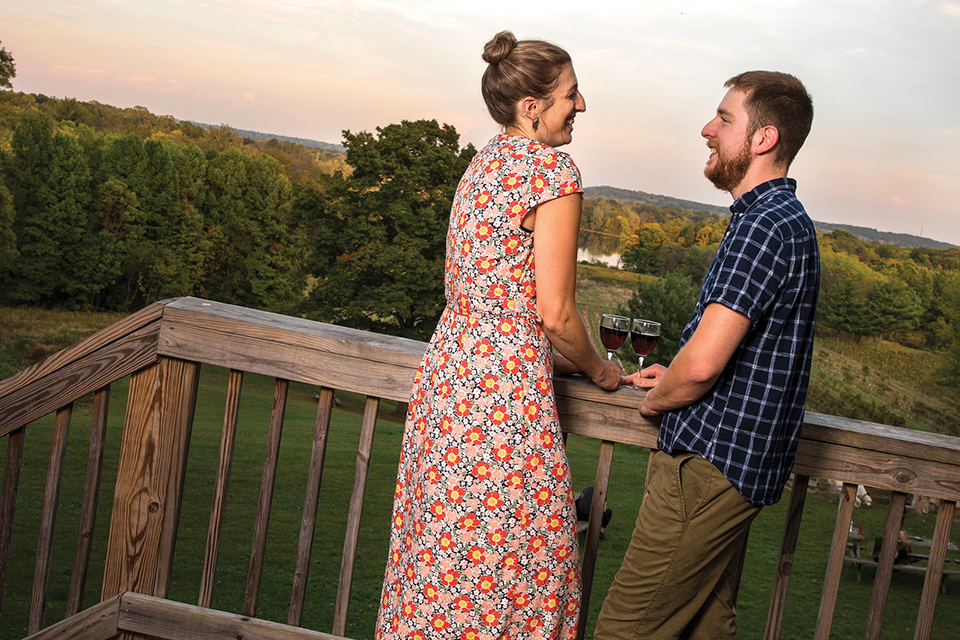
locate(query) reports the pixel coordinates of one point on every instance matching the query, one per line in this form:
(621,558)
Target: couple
(483,537)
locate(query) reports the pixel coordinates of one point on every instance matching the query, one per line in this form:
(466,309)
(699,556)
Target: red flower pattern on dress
(483,509)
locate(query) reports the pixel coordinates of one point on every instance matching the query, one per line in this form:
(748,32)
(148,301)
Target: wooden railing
(162,348)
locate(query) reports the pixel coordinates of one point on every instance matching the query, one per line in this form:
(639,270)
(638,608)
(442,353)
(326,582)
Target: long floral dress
(483,542)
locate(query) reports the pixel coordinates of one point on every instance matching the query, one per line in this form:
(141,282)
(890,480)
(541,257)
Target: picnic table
(906,562)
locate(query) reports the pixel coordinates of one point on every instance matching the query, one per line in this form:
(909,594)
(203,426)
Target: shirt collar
(761,191)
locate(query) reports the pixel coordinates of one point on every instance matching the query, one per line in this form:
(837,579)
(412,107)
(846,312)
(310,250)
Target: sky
(884,151)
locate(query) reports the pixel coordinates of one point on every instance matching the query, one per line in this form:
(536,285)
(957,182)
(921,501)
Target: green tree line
(110,209)
(868,290)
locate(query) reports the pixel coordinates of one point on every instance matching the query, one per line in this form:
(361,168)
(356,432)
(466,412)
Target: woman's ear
(529,108)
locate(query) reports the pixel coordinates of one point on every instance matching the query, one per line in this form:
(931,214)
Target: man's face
(729,143)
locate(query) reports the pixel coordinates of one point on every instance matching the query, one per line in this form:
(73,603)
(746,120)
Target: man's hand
(647,378)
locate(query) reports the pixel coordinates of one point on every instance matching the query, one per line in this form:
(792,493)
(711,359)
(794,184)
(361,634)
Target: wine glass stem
(609,354)
(640,366)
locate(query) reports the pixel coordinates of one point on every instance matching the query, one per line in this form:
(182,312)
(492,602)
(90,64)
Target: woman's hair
(516,69)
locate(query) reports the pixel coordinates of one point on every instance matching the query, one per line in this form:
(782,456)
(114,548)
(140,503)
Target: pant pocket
(693,482)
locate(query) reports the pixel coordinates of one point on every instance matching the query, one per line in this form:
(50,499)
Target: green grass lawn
(629,468)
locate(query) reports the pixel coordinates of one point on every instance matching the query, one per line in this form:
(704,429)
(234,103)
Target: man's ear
(765,139)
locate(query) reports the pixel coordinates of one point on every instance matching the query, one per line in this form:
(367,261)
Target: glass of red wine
(613,332)
(644,335)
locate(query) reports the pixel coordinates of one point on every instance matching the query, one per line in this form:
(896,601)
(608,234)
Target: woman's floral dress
(483,542)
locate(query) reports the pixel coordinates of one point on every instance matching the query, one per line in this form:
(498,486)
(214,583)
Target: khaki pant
(680,573)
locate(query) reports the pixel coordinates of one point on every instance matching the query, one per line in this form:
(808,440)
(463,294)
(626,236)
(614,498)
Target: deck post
(153,454)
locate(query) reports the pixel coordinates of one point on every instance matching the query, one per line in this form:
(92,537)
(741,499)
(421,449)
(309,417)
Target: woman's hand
(609,377)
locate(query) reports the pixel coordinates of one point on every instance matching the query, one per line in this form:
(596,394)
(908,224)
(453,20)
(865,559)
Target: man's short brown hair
(779,100)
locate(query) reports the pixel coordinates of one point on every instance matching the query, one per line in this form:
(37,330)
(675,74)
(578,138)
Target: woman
(483,541)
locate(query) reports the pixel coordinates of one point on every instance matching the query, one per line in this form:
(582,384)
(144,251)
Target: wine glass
(613,332)
(644,335)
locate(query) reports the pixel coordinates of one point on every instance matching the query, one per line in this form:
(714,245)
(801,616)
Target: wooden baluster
(153,458)
(48,517)
(931,584)
(353,519)
(600,486)
(8,502)
(884,575)
(309,520)
(838,549)
(91,493)
(788,548)
(270,460)
(221,484)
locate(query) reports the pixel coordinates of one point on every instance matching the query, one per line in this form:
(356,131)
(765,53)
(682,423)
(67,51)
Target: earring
(536,123)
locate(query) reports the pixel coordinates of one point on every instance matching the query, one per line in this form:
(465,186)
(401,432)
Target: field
(26,335)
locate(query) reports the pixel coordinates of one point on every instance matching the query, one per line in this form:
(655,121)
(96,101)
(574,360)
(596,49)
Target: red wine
(612,339)
(643,343)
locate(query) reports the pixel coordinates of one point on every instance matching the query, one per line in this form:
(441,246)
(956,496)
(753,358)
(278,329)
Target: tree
(256,256)
(894,308)
(844,283)
(8,239)
(389,218)
(643,254)
(669,301)
(163,244)
(49,184)
(8,69)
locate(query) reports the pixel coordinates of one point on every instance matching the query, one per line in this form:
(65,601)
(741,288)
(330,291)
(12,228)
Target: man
(732,400)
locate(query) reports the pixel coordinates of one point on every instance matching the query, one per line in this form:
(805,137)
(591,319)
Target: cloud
(248,97)
(900,201)
(71,70)
(951,9)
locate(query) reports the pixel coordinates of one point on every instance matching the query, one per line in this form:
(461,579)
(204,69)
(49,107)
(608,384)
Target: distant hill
(863,233)
(872,235)
(626,195)
(256,135)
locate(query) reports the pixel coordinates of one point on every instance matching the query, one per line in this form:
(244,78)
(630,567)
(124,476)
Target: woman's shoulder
(519,151)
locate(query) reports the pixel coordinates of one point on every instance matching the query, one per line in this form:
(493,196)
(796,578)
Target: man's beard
(727,173)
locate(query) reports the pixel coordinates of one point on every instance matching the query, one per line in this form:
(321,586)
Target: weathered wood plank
(182,404)
(831,582)
(931,584)
(178,621)
(885,566)
(220,487)
(8,501)
(272,327)
(91,493)
(364,450)
(270,460)
(81,377)
(98,622)
(619,424)
(879,437)
(310,500)
(48,518)
(103,338)
(879,469)
(788,548)
(290,361)
(600,485)
(147,492)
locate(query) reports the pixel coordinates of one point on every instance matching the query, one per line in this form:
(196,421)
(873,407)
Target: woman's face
(555,127)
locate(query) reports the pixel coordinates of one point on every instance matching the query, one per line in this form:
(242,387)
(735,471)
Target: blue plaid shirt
(768,269)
